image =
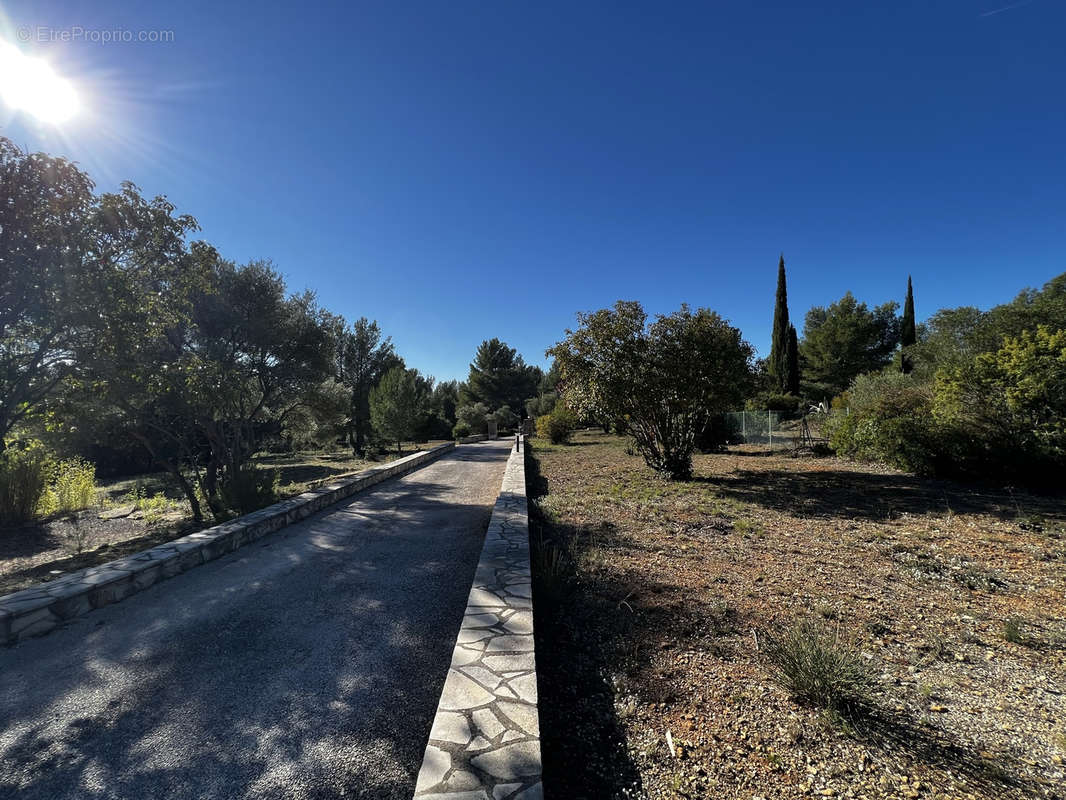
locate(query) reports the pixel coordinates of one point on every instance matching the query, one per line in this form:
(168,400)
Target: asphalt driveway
(308,664)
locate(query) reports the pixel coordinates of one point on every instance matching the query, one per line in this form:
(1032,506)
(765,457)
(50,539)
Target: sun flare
(31,85)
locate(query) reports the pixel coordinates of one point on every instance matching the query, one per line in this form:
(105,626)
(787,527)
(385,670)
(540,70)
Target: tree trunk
(190,495)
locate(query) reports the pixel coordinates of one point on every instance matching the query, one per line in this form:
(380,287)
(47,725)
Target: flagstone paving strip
(37,610)
(485,739)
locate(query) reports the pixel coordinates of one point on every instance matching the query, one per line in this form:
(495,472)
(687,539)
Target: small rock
(117,513)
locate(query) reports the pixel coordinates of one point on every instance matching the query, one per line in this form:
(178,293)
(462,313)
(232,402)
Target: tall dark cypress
(779,343)
(793,361)
(907,334)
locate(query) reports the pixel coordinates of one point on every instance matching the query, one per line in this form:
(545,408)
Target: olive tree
(666,378)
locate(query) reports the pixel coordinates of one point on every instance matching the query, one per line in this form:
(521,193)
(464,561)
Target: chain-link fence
(776,430)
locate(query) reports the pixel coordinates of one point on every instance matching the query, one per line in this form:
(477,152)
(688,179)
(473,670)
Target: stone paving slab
(37,610)
(485,739)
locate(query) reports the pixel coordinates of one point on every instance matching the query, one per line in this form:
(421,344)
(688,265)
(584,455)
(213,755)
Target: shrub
(24,474)
(72,487)
(558,426)
(812,663)
(250,489)
(890,421)
(771,401)
(460,430)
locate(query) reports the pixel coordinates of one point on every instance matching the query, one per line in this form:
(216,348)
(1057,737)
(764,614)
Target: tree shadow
(896,731)
(583,743)
(846,494)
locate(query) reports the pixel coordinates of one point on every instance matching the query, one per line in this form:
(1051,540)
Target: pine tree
(793,361)
(907,334)
(779,343)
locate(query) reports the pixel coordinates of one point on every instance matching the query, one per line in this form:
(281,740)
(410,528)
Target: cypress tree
(793,361)
(779,343)
(907,334)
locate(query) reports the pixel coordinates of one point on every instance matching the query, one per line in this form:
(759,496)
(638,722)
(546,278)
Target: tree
(47,265)
(666,378)
(395,405)
(547,394)
(1013,399)
(499,377)
(845,340)
(779,359)
(143,365)
(263,356)
(505,417)
(364,357)
(473,416)
(792,382)
(908,335)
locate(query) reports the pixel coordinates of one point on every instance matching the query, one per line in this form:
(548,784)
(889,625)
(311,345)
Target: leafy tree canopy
(666,378)
(846,339)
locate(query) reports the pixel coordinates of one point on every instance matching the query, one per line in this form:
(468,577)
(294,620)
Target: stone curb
(485,739)
(35,611)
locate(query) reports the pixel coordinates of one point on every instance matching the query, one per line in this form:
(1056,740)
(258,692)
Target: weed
(1012,631)
(814,665)
(935,647)
(72,487)
(551,570)
(826,611)
(75,538)
(979,580)
(746,527)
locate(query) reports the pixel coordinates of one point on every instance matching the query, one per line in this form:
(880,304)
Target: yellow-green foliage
(1001,413)
(72,487)
(24,474)
(557,426)
(154,507)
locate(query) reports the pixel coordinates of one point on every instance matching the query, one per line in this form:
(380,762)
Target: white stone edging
(485,739)
(38,609)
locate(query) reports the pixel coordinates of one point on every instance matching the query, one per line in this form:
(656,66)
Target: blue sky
(462,170)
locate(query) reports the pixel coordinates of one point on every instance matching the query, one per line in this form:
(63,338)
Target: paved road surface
(308,664)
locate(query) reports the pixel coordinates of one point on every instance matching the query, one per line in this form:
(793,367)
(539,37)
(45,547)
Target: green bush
(71,488)
(460,430)
(771,401)
(24,475)
(250,489)
(813,664)
(890,421)
(999,415)
(558,426)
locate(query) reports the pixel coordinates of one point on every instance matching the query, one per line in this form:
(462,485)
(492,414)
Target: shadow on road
(316,678)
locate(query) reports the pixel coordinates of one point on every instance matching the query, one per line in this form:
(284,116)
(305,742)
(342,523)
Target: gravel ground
(306,665)
(955,596)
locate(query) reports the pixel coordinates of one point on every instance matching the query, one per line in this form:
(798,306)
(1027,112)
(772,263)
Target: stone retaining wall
(38,609)
(485,740)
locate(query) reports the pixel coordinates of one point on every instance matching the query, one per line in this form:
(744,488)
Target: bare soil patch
(651,598)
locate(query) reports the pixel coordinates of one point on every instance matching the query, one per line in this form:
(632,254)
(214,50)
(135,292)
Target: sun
(31,85)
